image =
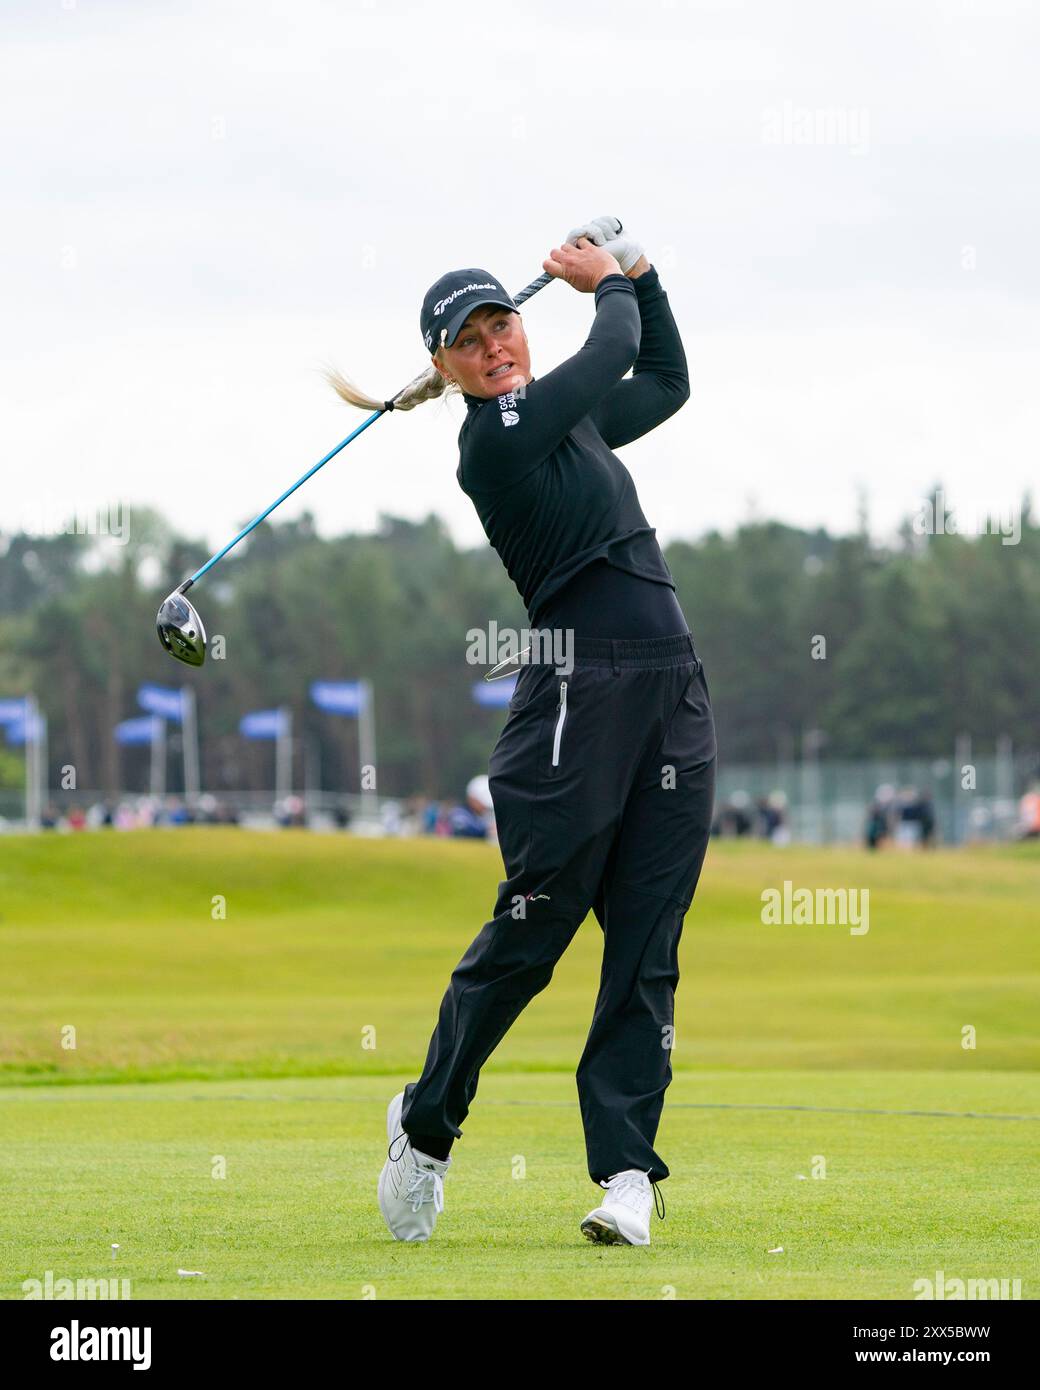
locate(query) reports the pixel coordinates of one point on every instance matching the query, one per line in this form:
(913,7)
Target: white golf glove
(609,233)
(598,230)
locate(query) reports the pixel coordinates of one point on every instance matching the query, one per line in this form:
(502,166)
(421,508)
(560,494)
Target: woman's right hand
(582,266)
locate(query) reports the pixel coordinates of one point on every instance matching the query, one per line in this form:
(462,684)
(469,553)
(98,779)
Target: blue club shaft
(288,493)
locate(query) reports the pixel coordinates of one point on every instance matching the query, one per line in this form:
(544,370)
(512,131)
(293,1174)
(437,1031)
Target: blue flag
(338,697)
(262,723)
(160,699)
(495,693)
(141,730)
(11,709)
(19,732)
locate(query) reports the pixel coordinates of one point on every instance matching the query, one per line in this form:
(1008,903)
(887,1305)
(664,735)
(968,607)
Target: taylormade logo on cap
(442,304)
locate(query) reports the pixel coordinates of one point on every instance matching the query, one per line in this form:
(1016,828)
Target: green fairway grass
(296,1216)
(274,1037)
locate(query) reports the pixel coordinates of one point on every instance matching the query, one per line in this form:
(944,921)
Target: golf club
(180,628)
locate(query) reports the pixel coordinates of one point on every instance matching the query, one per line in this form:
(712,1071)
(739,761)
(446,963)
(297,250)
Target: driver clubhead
(180,629)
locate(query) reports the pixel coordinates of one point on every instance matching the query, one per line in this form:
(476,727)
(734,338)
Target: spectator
(916,819)
(734,817)
(771,817)
(465,823)
(879,817)
(476,819)
(926,817)
(1028,827)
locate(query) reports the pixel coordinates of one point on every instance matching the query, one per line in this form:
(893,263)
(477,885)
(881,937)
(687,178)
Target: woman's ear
(443,371)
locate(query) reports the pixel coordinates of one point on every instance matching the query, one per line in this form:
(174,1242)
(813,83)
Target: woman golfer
(603,777)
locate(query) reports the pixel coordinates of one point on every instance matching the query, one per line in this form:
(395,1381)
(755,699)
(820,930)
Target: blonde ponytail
(427,386)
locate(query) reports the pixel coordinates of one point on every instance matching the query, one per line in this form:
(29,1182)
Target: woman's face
(490,355)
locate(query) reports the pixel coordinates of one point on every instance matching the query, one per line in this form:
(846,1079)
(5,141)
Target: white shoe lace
(424,1185)
(631,1189)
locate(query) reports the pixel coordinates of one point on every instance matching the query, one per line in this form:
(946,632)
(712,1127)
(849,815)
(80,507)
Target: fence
(364,812)
(826,800)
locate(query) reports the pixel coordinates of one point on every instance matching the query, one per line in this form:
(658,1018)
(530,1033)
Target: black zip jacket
(537,463)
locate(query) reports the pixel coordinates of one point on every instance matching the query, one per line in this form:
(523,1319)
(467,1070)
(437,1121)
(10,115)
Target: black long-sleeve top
(538,463)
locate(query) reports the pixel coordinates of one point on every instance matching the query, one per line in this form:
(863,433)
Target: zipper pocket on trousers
(562,707)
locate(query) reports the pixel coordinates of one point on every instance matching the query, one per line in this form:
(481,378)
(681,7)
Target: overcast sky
(204,200)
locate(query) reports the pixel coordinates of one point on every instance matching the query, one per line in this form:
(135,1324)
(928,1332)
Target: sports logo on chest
(507,405)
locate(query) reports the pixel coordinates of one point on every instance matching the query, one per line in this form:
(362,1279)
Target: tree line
(877,649)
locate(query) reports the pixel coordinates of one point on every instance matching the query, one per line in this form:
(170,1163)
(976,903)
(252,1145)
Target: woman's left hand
(609,233)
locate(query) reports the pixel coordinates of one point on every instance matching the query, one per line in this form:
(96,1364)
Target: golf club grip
(533,288)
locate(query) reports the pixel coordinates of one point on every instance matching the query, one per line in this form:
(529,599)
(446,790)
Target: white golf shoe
(411,1185)
(624,1217)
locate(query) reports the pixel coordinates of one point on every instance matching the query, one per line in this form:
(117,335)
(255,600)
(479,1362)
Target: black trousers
(603,783)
